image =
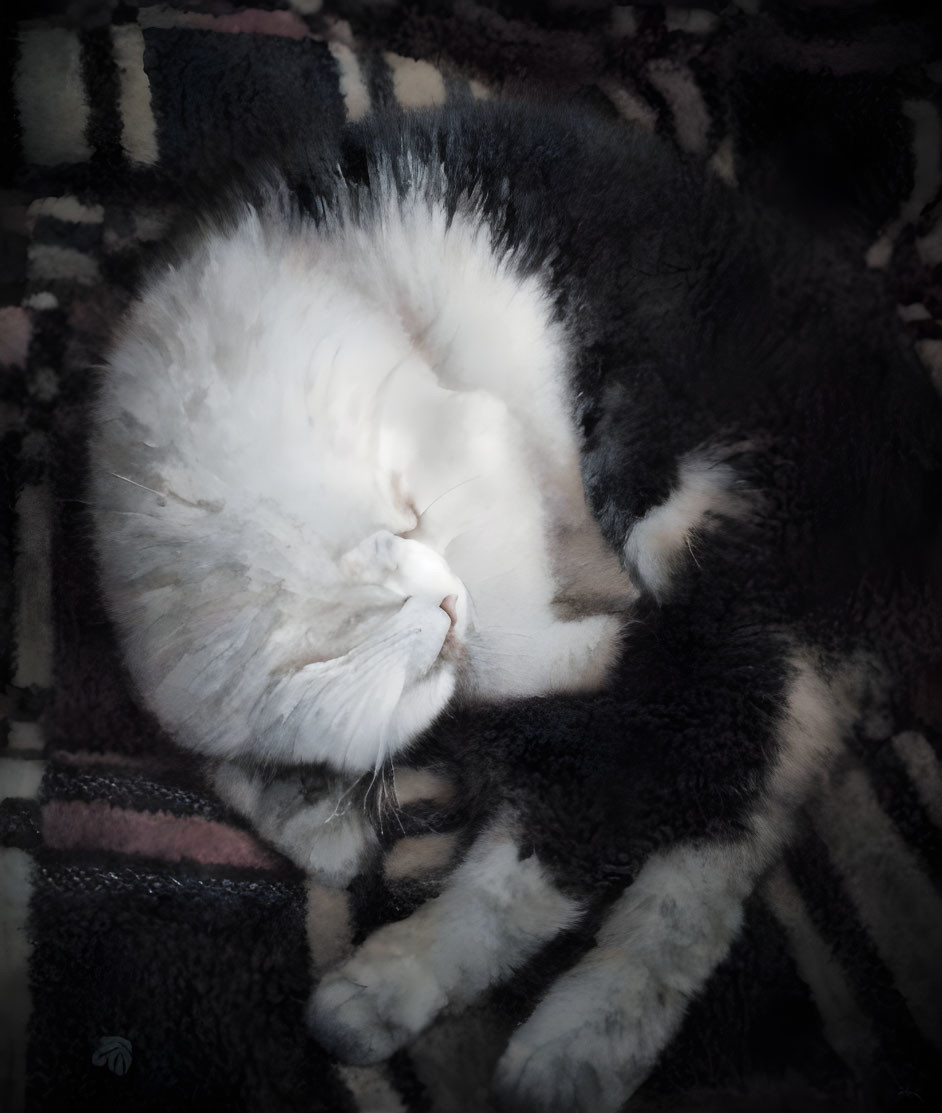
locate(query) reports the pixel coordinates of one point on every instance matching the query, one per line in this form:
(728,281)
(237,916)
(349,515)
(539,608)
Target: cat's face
(317,521)
(390,651)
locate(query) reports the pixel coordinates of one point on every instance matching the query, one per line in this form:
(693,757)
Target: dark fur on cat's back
(699,321)
(724,359)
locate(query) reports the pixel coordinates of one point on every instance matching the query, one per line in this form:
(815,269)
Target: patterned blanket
(154,953)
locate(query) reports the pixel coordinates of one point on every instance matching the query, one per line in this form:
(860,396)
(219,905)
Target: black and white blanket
(153,953)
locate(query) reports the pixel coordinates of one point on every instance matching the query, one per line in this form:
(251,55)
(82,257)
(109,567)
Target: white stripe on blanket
(49,262)
(927,140)
(25,738)
(846,1028)
(138,130)
(889,888)
(416,84)
(924,769)
(679,88)
(66,208)
(630,105)
(353,88)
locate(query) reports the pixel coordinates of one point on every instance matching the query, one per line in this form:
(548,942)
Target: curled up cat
(504,429)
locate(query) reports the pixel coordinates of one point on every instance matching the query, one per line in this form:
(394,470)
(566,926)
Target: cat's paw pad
(544,1080)
(370,1007)
(551,1066)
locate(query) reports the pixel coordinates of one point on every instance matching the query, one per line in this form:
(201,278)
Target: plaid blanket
(153,952)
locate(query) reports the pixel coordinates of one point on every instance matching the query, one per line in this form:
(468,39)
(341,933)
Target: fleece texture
(153,953)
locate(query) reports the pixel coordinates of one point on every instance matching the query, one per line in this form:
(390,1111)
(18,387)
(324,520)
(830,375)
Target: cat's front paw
(555,1077)
(374,1004)
(569,1059)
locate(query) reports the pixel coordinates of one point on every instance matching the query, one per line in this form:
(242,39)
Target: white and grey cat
(337,479)
(505,406)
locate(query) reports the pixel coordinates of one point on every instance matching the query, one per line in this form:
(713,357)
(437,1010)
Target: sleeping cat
(503,427)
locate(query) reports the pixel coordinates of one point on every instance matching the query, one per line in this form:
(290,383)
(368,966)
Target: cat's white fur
(705,492)
(336,480)
(328,837)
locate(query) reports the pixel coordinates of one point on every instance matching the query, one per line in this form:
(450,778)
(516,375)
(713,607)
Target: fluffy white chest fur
(337,482)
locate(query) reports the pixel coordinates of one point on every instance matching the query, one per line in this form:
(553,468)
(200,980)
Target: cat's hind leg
(598,1032)
(601,1027)
(497,910)
(315,819)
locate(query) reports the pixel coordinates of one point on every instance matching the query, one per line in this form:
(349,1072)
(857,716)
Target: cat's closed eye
(405,504)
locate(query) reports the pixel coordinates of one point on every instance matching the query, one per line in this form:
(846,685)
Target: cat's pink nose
(450,606)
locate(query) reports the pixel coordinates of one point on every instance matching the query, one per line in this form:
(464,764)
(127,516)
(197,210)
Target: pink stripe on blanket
(252,21)
(15,332)
(255,22)
(76,825)
(105,757)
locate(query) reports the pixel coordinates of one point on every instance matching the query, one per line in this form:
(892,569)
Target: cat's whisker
(380,806)
(504,631)
(392,771)
(108,513)
(438,498)
(346,792)
(227,648)
(394,795)
(134,483)
(366,795)
(485,652)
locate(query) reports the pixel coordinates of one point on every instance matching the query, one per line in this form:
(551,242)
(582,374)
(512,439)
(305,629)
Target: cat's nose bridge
(410,569)
(422,571)
(425,575)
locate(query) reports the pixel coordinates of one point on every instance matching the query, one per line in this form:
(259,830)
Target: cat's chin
(380,736)
(386,691)
(421,705)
